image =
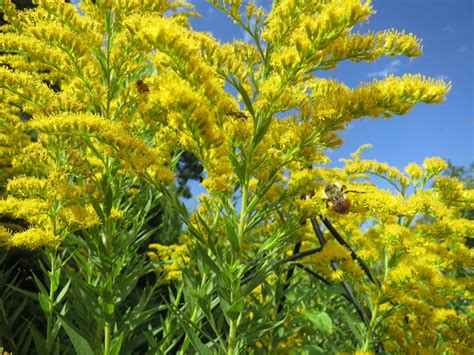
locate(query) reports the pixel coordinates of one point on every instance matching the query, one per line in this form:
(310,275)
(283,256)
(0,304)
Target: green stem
(107,336)
(243,213)
(49,329)
(232,337)
(370,330)
(185,345)
(108,28)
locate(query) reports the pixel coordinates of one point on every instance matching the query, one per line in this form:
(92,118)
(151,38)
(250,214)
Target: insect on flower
(336,199)
(238,114)
(142,87)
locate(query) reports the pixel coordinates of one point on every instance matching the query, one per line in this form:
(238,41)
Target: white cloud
(391,68)
(448,28)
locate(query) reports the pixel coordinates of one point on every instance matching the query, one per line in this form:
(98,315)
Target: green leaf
(116,344)
(63,292)
(232,234)
(321,321)
(44,303)
(40,285)
(18,310)
(98,210)
(312,350)
(108,201)
(239,169)
(31,295)
(355,328)
(208,261)
(81,345)
(55,279)
(234,311)
(198,344)
(92,148)
(245,96)
(40,342)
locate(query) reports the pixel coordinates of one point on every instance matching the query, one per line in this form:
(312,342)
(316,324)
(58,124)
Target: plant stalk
(232,338)
(49,329)
(107,337)
(243,214)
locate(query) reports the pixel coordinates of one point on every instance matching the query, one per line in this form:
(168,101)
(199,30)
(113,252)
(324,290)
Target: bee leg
(354,255)
(357,192)
(318,231)
(345,191)
(349,293)
(289,275)
(327,202)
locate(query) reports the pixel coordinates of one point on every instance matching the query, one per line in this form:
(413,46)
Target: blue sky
(446,29)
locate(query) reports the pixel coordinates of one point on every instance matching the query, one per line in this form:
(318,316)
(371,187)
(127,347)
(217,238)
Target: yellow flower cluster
(452,190)
(319,22)
(422,258)
(132,151)
(169,260)
(380,169)
(192,94)
(330,100)
(129,93)
(333,251)
(32,238)
(29,212)
(12,140)
(434,166)
(28,88)
(371,46)
(79,217)
(220,174)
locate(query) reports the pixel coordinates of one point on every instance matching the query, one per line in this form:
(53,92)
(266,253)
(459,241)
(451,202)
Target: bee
(142,87)
(237,114)
(336,199)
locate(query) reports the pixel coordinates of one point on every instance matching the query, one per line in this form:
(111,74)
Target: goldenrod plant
(79,152)
(98,103)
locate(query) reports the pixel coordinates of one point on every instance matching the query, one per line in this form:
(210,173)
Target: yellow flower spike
(414,171)
(285,59)
(33,238)
(453,190)
(57,35)
(427,203)
(371,46)
(332,101)
(23,186)
(170,260)
(434,165)
(70,17)
(379,201)
(140,157)
(32,210)
(188,110)
(377,168)
(302,180)
(28,88)
(78,217)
